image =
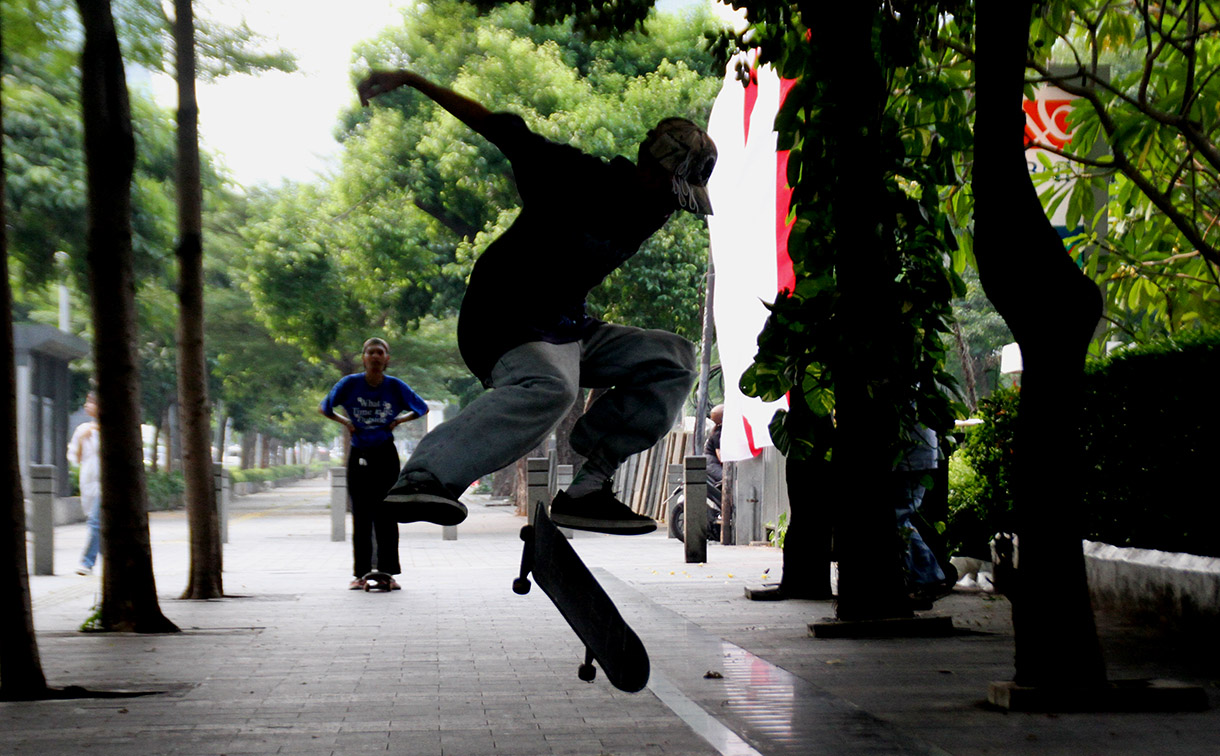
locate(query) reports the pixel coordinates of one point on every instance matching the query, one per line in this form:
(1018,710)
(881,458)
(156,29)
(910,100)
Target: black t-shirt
(581,217)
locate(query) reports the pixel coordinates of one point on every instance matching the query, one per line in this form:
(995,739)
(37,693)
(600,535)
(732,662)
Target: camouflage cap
(689,155)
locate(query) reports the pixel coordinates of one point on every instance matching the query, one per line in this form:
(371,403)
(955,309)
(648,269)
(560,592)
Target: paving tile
(458,664)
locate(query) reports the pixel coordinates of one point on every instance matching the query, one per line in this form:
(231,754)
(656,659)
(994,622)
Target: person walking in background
(524,331)
(926,579)
(84,449)
(375,404)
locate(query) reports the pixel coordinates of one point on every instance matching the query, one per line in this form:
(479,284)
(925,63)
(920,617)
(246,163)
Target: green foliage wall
(1150,434)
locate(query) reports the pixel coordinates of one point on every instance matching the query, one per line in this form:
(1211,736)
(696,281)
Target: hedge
(1150,426)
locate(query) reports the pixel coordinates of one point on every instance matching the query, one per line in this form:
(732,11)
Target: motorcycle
(676,505)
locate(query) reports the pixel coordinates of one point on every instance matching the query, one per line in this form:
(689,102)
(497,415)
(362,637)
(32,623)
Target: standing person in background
(711,450)
(84,449)
(375,404)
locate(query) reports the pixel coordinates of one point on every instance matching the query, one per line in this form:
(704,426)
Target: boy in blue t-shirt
(375,404)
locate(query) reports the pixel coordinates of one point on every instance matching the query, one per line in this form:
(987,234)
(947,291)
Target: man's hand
(380,82)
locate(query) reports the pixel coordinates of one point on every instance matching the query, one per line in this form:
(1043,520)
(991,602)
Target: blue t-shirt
(372,409)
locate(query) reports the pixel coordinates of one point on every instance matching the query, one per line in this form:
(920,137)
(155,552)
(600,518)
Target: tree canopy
(386,244)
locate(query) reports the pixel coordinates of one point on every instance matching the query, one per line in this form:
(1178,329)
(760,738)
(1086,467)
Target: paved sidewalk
(456,663)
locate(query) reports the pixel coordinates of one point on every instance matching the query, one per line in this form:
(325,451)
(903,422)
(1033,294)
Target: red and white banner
(749,238)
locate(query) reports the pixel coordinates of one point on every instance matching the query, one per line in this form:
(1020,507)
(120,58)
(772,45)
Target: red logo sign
(1046,123)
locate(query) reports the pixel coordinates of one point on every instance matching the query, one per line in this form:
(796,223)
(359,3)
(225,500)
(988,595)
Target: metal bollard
(563,479)
(537,484)
(673,479)
(695,524)
(42,518)
(563,476)
(224,488)
(338,503)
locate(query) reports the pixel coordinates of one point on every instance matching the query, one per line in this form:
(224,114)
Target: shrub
(165,490)
(1149,429)
(279,472)
(980,492)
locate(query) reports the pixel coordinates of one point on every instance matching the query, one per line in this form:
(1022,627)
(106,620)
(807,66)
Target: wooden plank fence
(641,480)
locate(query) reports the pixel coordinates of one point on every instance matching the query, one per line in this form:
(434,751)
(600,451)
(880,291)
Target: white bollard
(338,503)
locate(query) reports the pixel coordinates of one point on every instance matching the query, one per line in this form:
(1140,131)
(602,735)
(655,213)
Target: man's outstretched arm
(463,108)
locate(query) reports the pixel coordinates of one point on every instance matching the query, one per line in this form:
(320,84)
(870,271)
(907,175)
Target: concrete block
(1183,588)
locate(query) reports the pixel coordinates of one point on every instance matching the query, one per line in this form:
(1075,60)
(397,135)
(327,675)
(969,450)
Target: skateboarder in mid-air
(523,329)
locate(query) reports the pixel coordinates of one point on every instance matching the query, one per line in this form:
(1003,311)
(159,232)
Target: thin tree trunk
(201,511)
(1052,310)
(248,440)
(156,447)
(705,354)
(806,573)
(129,592)
(222,424)
(564,453)
(170,438)
(21,675)
(963,355)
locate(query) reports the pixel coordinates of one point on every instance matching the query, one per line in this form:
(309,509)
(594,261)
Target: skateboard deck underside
(585,605)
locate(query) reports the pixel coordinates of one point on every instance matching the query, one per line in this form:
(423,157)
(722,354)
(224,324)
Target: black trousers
(371,472)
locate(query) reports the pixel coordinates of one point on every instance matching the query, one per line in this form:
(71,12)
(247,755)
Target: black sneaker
(599,512)
(423,499)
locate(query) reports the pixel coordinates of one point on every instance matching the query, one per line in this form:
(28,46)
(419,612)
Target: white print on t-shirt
(372,413)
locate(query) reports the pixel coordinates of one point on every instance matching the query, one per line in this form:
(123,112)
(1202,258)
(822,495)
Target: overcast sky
(275,126)
(280,126)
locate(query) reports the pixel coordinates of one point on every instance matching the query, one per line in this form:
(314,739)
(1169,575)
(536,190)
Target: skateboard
(377,581)
(583,603)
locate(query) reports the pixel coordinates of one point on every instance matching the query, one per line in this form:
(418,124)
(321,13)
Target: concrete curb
(1178,588)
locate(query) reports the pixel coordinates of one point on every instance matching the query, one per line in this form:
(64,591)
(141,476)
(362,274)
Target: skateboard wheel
(527,532)
(521,586)
(587,672)
(366,587)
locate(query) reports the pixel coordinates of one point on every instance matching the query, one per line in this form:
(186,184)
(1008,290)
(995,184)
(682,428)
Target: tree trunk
(521,480)
(21,676)
(221,429)
(1052,311)
(156,448)
(807,555)
(248,439)
(967,362)
(871,584)
(129,593)
(564,453)
(170,438)
(201,511)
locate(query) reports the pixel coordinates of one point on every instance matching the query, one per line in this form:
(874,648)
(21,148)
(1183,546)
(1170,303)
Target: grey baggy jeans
(649,374)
